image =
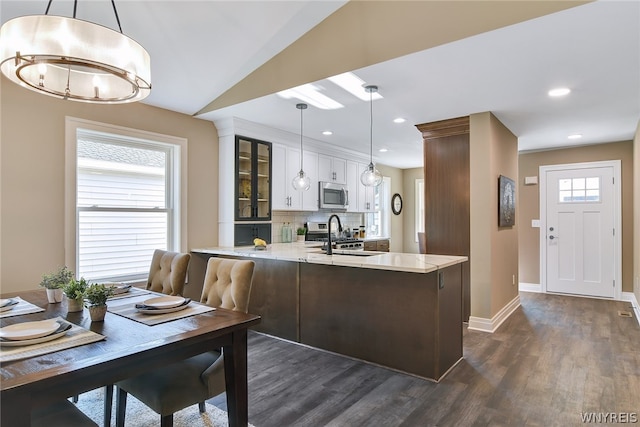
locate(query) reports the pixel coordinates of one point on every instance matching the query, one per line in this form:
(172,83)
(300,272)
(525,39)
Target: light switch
(535,223)
(530,180)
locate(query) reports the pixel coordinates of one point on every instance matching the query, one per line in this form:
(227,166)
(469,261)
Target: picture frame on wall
(506,202)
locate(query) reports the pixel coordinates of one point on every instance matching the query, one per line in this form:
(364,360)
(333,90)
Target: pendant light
(69,58)
(371,177)
(301,181)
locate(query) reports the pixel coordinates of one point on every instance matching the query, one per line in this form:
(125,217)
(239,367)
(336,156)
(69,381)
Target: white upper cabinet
(310,197)
(353,181)
(332,169)
(286,165)
(365,194)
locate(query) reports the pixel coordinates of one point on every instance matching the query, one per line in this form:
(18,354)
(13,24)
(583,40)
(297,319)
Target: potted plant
(95,297)
(74,291)
(53,283)
(300,232)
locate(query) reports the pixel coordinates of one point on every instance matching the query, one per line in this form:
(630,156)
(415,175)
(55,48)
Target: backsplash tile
(298,218)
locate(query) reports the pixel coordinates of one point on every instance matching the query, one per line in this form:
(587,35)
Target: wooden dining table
(130,348)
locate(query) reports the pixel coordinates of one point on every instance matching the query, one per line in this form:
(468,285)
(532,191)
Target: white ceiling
(200,49)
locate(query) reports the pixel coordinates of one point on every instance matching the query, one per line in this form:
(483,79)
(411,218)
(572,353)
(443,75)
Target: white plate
(162,310)
(34,340)
(164,302)
(29,330)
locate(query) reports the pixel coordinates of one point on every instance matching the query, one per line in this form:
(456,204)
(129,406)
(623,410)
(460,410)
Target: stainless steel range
(317,232)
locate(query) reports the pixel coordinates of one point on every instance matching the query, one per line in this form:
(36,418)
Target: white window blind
(124,205)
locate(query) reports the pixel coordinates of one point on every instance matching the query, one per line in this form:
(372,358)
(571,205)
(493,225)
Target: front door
(580,230)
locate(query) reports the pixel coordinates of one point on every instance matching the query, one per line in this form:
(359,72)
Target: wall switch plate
(530,180)
(535,223)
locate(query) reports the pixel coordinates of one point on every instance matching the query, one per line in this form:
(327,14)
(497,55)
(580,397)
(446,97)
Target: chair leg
(121,406)
(74,399)
(108,401)
(202,408)
(166,420)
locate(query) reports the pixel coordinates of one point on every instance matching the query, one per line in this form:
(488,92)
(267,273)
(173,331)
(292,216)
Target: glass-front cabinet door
(253,186)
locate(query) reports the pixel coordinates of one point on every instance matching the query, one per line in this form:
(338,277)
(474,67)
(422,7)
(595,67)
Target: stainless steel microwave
(333,196)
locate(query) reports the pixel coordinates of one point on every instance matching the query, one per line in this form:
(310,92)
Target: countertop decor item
(74,59)
(371,177)
(74,291)
(53,283)
(95,296)
(301,181)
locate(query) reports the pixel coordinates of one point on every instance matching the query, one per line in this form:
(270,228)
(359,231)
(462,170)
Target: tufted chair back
(168,272)
(227,284)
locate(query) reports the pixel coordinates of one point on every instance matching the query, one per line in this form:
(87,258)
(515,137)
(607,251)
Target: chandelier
(73,59)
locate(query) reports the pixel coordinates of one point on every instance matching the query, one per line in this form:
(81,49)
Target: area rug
(138,415)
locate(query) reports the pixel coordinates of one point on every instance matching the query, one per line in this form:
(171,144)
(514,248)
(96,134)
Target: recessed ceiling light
(575,136)
(383,150)
(399,120)
(354,85)
(559,91)
(327,132)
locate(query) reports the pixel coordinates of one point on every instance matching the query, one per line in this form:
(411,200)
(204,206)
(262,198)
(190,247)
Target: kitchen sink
(356,252)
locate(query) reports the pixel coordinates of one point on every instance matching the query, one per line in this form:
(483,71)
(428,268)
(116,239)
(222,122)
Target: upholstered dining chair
(167,275)
(60,414)
(227,284)
(168,272)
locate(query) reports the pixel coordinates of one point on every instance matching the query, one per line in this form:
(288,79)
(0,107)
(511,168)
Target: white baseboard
(631,297)
(530,287)
(490,325)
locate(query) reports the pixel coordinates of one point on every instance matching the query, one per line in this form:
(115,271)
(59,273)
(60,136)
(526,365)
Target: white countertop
(311,252)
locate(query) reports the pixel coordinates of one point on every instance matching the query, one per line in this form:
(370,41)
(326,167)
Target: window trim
(180,185)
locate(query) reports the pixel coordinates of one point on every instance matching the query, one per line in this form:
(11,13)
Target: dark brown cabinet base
(409,322)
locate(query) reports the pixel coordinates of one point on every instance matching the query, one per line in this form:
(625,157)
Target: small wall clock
(396,204)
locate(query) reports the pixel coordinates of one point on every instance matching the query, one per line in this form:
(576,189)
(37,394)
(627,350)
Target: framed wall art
(506,202)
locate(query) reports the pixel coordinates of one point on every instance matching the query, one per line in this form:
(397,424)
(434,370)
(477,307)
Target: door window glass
(579,190)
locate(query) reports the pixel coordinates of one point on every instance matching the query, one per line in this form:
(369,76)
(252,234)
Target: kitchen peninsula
(399,310)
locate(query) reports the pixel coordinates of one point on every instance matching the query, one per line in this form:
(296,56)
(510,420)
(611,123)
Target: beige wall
(529,203)
(397,221)
(636,213)
(409,208)
(32,186)
(494,250)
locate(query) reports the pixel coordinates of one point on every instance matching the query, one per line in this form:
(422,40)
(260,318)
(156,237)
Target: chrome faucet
(329,245)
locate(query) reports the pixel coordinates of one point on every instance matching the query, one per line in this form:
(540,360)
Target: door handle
(552,237)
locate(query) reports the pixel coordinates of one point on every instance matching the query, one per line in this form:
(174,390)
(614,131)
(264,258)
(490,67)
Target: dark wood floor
(555,358)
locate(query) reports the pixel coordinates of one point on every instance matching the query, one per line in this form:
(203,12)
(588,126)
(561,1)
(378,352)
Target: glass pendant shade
(301,181)
(73,59)
(371,177)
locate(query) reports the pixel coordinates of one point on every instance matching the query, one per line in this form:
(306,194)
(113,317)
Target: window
(579,190)
(378,221)
(126,202)
(419,213)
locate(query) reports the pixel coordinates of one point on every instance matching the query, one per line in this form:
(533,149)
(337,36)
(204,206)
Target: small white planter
(300,237)
(97,313)
(74,305)
(54,295)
